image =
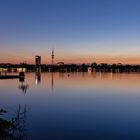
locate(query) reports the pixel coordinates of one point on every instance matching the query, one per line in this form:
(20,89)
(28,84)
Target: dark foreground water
(82,106)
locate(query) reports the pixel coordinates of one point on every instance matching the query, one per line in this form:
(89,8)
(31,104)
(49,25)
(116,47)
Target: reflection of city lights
(37,78)
(111,75)
(36,81)
(89,70)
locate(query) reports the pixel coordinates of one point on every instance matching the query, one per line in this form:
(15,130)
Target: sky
(80,31)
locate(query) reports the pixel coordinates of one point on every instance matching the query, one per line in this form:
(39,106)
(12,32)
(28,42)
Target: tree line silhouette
(94,67)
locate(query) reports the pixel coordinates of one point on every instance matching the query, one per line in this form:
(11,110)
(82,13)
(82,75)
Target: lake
(78,106)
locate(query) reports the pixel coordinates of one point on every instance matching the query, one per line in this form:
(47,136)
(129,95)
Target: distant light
(21,69)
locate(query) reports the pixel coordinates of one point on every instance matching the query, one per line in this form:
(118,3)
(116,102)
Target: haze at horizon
(80,31)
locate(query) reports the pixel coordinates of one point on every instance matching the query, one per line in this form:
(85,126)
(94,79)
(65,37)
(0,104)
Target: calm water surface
(83,106)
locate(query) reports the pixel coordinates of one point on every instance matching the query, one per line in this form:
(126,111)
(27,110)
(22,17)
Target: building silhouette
(37,60)
(38,63)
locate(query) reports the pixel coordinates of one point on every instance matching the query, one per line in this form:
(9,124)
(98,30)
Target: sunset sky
(80,31)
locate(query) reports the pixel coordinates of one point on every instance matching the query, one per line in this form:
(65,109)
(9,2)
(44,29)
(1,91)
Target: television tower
(52,56)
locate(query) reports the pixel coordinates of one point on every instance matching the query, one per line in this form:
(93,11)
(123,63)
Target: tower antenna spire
(52,56)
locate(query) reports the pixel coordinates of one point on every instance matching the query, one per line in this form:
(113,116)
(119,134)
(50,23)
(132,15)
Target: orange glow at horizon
(69,59)
(76,53)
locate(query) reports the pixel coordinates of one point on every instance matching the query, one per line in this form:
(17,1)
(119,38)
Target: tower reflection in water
(23,86)
(52,82)
(37,78)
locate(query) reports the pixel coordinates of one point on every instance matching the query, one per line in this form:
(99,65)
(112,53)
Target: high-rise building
(37,60)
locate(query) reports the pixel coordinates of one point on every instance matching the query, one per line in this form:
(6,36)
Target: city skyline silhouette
(72,67)
(79,31)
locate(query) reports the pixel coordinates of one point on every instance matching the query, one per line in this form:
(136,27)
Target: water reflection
(52,82)
(23,86)
(37,78)
(83,106)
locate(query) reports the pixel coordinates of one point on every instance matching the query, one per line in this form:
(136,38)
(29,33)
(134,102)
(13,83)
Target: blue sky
(79,30)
